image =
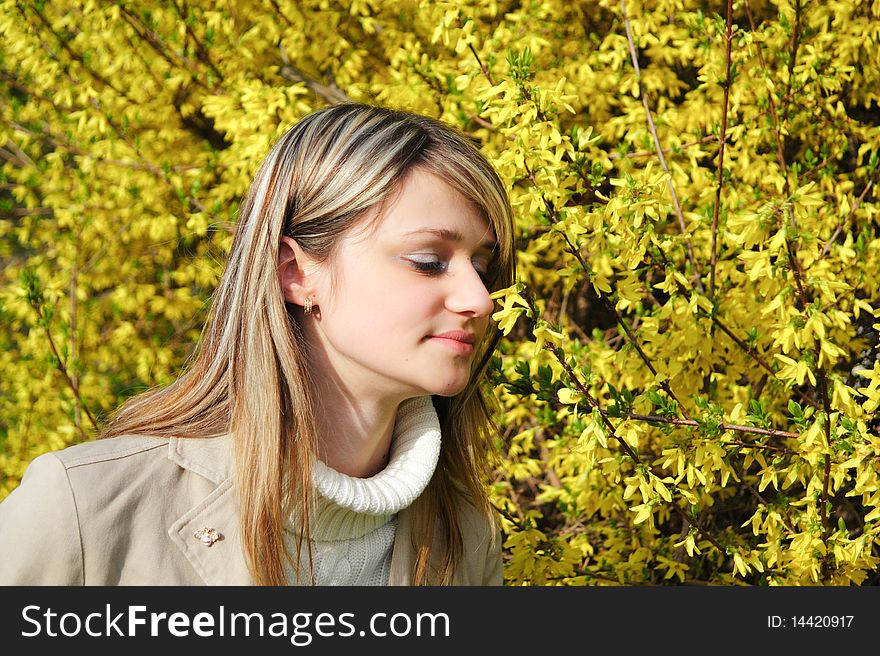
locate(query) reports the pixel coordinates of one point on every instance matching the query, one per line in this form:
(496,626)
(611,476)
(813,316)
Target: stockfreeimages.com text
(301,628)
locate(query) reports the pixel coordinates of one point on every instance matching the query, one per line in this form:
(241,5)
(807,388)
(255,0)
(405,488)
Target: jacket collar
(223,561)
(210,457)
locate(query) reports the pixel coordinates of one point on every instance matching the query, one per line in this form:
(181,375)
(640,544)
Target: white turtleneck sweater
(354,519)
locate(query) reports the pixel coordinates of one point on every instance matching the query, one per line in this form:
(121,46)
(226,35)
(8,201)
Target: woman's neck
(355,434)
(355,410)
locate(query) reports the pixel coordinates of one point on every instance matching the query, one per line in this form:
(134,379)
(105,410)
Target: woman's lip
(458,335)
(454,344)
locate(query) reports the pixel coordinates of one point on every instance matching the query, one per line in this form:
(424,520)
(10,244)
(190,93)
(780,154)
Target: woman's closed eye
(433,265)
(427,263)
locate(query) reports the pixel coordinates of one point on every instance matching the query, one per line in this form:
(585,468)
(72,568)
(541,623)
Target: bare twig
(653,153)
(612,432)
(483,67)
(780,157)
(57,142)
(755,356)
(75,55)
(62,368)
(156,42)
(826,474)
(795,44)
(839,229)
(722,141)
(16,156)
(627,330)
(803,295)
(330,93)
(150,166)
(14,82)
(653,129)
(201,51)
(722,426)
(74,351)
(280,12)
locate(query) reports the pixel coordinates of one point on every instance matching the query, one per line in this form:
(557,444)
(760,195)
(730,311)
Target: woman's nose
(469,293)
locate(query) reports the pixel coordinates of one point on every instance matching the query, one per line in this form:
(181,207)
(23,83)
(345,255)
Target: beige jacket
(123,511)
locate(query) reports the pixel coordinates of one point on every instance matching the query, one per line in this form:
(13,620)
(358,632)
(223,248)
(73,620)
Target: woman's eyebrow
(450,235)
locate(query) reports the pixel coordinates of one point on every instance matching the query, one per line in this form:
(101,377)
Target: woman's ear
(292,272)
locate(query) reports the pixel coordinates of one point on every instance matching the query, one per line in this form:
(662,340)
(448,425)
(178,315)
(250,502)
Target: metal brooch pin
(207,536)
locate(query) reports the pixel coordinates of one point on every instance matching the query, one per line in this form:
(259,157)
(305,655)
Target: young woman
(331,428)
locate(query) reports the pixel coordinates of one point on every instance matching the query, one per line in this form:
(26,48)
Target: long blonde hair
(249,373)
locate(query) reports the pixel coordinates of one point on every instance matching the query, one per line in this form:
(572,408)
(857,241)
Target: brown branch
(803,300)
(612,429)
(516,521)
(551,210)
(75,55)
(201,51)
(826,474)
(852,211)
(652,153)
(749,445)
(330,93)
(755,356)
(18,212)
(620,320)
(722,140)
(712,316)
(752,353)
(653,130)
(803,297)
(280,12)
(152,39)
(150,166)
(12,81)
(707,139)
(20,153)
(795,44)
(132,39)
(780,157)
(56,142)
(61,368)
(724,427)
(483,67)
(623,444)
(48,136)
(486,124)
(74,345)
(13,159)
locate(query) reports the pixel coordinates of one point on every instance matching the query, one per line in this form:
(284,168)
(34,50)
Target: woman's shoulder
(107,466)
(103,450)
(53,467)
(141,450)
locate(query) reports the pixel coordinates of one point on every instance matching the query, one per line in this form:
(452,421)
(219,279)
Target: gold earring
(307,306)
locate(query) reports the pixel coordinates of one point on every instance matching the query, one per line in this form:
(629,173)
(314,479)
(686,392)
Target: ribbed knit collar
(347,507)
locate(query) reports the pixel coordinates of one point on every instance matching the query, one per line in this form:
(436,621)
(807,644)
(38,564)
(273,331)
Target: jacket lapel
(221,562)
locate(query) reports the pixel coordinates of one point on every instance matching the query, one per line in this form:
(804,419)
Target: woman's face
(409,305)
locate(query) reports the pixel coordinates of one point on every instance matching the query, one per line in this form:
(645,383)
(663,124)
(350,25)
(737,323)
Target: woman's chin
(449,389)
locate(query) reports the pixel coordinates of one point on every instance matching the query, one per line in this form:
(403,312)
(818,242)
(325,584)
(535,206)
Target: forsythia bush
(690,377)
